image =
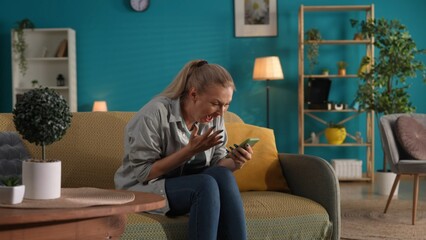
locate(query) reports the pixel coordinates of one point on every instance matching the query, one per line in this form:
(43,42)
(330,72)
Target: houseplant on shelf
(335,133)
(11,190)
(383,87)
(341,68)
(19,44)
(313,36)
(355,24)
(42,117)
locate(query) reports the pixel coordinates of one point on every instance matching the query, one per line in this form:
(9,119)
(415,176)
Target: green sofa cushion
(270,215)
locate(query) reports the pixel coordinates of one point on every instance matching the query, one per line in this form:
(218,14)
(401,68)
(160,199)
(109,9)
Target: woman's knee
(207,191)
(221,174)
(206,183)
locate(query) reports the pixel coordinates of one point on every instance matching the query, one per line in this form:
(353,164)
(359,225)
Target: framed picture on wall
(255,18)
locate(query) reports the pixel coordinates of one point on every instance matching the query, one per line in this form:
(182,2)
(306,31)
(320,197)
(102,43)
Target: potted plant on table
(42,117)
(11,190)
(384,87)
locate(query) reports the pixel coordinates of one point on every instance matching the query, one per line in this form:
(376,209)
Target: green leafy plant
(341,65)
(356,24)
(11,181)
(19,44)
(34,82)
(325,71)
(384,87)
(313,36)
(42,117)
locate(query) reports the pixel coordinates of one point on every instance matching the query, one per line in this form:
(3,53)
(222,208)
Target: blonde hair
(200,75)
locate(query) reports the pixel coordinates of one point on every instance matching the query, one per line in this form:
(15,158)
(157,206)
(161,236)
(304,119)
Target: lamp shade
(100,106)
(267,68)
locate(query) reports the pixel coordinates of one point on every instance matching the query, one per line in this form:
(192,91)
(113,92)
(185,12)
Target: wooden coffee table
(96,222)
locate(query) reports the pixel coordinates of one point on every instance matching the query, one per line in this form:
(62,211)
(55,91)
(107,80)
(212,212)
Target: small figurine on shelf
(60,80)
(358,137)
(314,138)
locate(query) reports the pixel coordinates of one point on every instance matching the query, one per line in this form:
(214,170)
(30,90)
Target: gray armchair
(397,158)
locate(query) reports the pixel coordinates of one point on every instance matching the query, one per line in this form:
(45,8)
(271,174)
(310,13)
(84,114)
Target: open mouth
(208,118)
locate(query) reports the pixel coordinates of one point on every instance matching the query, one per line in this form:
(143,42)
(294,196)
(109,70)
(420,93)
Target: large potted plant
(42,117)
(384,86)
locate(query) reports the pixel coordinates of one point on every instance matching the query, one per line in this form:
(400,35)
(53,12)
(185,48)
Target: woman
(175,146)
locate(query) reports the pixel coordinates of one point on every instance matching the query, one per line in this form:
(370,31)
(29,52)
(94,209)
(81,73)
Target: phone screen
(250,141)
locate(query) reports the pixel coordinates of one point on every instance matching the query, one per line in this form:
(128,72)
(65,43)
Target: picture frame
(258,21)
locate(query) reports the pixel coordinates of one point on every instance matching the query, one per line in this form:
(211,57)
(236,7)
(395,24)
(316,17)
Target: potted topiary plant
(341,68)
(383,87)
(335,133)
(11,190)
(42,117)
(313,36)
(19,45)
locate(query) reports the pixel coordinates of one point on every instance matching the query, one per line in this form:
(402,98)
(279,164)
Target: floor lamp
(266,69)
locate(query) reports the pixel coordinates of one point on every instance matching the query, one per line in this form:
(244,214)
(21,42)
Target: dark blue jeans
(213,202)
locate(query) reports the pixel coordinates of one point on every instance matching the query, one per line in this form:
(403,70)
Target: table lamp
(100,106)
(266,69)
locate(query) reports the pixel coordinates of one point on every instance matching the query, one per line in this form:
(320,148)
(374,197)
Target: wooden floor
(365,190)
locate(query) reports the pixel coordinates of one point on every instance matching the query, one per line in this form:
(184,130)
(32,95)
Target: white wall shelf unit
(44,64)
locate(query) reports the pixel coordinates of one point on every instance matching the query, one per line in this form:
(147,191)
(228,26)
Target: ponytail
(200,75)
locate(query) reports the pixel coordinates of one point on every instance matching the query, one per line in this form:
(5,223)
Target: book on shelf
(62,49)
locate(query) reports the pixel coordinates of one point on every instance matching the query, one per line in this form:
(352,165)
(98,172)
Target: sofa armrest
(312,177)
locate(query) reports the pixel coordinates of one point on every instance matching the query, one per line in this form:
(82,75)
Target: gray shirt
(155,132)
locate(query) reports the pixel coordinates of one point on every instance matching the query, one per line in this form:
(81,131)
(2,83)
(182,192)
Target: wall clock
(139,5)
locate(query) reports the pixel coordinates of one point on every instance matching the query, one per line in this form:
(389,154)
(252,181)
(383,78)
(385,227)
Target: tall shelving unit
(44,64)
(316,114)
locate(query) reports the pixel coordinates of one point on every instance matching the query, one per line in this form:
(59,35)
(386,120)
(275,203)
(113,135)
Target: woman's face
(210,104)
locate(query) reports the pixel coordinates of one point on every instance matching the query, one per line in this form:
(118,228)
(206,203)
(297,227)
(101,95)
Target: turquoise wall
(127,57)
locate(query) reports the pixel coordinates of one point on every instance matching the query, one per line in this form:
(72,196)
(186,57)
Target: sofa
(289,196)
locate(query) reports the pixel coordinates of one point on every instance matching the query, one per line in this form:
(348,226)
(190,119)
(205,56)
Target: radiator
(347,168)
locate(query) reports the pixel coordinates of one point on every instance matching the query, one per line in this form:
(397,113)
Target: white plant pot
(42,179)
(12,195)
(383,183)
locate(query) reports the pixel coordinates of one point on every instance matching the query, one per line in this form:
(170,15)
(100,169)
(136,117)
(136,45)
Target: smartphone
(249,141)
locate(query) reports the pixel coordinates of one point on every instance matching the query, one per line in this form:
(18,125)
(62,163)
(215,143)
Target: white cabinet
(50,52)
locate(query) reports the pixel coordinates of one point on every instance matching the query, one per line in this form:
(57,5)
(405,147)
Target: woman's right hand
(200,143)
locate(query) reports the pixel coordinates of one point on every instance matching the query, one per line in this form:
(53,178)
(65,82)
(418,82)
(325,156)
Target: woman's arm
(197,143)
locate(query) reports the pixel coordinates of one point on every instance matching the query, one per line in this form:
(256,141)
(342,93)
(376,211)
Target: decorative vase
(42,179)
(12,194)
(335,135)
(383,183)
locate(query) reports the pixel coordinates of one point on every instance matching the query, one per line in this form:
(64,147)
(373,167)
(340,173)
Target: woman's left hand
(240,155)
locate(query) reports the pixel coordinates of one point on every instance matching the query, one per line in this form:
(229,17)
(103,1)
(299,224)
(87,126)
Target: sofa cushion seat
(270,215)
